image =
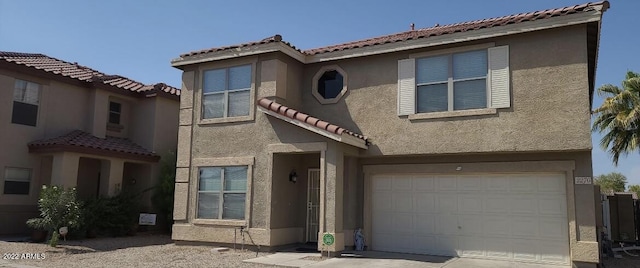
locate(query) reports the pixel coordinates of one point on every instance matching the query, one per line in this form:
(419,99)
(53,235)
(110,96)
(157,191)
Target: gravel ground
(134,251)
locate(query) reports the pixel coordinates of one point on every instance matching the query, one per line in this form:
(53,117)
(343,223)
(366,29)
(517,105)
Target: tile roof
(459,27)
(307,119)
(436,30)
(82,73)
(83,142)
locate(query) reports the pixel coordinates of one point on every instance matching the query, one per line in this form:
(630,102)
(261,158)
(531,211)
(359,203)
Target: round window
(329,84)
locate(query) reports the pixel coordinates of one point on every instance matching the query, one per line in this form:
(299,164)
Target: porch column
(64,171)
(331,197)
(111,172)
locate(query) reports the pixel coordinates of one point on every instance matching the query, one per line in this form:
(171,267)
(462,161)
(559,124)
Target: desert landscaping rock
(133,251)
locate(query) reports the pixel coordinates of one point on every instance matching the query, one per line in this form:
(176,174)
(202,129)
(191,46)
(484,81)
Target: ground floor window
(17,180)
(222,192)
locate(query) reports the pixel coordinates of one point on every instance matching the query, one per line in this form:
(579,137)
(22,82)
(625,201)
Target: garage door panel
(424,244)
(553,251)
(471,224)
(517,217)
(447,224)
(524,227)
(499,184)
(425,202)
(497,204)
(522,184)
(447,203)
(498,248)
(551,184)
(470,203)
(497,226)
(446,183)
(401,183)
(552,205)
(471,183)
(523,204)
(402,223)
(446,245)
(425,223)
(402,202)
(552,229)
(423,183)
(382,201)
(524,250)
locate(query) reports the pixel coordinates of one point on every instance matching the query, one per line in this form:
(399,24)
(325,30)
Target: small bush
(58,207)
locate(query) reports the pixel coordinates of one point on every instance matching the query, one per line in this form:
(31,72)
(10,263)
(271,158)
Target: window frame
(319,74)
(29,181)
(119,113)
(221,192)
(251,89)
(24,90)
(450,82)
(194,182)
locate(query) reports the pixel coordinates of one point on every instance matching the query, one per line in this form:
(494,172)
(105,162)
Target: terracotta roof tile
(425,32)
(81,73)
(81,141)
(459,27)
(307,119)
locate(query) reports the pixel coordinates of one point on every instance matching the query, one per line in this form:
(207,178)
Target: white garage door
(519,217)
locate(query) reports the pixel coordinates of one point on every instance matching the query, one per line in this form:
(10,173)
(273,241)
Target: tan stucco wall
(549,95)
(65,107)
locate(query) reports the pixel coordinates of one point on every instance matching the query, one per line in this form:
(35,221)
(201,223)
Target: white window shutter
(499,77)
(406,87)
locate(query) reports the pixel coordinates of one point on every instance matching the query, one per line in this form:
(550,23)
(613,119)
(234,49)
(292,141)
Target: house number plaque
(583,180)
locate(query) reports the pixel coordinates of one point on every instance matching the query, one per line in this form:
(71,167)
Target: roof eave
(56,148)
(238,52)
(344,138)
(517,28)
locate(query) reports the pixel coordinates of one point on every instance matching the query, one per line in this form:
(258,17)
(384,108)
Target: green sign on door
(328,239)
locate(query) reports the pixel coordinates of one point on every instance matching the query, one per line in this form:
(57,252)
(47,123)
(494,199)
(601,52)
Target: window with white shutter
(467,80)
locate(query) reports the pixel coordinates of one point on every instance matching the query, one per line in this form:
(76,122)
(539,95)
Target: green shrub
(58,207)
(164,190)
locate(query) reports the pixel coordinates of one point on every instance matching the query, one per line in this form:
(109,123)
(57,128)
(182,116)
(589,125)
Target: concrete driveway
(375,259)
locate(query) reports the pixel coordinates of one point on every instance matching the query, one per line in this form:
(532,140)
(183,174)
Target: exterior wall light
(459,168)
(293,177)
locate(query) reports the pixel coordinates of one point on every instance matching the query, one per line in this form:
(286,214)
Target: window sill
(114,127)
(225,120)
(448,114)
(235,223)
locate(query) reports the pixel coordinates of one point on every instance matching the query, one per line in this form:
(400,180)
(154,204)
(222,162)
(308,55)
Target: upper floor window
(329,84)
(26,99)
(17,181)
(222,192)
(226,92)
(452,82)
(115,110)
(448,82)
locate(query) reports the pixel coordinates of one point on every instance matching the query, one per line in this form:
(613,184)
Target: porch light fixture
(293,177)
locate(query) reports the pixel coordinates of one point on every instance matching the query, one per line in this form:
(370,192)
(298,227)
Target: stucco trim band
(297,147)
(504,167)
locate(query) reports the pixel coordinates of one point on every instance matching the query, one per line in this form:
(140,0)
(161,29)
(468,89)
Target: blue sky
(137,39)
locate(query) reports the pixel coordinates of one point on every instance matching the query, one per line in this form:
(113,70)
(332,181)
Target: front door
(313,204)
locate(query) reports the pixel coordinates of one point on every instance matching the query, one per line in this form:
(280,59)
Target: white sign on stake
(147,219)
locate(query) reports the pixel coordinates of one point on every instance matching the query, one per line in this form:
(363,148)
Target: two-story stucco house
(67,124)
(456,140)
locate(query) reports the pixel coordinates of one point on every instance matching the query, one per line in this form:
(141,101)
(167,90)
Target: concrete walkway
(377,259)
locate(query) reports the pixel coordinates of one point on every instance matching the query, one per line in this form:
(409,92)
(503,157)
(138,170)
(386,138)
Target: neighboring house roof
(84,74)
(83,142)
(313,124)
(595,8)
(634,195)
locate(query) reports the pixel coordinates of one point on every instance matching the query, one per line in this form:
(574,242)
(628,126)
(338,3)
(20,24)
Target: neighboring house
(66,124)
(456,140)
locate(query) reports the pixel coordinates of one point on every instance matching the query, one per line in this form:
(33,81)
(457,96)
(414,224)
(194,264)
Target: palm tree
(619,116)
